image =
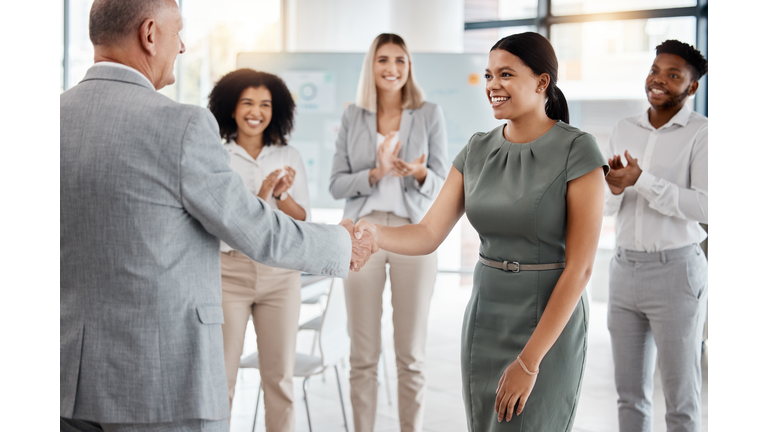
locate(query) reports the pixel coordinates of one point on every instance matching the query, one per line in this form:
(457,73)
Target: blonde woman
(389,165)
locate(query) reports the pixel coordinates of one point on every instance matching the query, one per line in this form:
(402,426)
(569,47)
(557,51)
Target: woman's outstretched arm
(584,202)
(423,238)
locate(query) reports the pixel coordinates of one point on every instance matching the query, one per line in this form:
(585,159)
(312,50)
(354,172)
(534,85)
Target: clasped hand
(364,244)
(620,177)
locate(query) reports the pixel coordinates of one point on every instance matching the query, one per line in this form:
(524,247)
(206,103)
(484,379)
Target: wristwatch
(283,196)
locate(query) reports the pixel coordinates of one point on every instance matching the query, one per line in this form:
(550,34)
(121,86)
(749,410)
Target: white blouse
(387,194)
(271,158)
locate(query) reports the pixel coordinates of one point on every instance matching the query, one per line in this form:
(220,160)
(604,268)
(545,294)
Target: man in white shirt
(658,277)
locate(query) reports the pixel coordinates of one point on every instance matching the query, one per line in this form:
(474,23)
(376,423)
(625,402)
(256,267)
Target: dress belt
(515,266)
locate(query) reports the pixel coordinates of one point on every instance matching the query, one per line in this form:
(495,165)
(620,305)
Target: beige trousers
(273,297)
(412,279)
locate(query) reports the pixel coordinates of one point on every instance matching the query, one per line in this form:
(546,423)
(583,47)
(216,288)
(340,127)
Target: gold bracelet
(525,369)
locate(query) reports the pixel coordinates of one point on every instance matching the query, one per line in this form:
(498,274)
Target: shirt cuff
(644,183)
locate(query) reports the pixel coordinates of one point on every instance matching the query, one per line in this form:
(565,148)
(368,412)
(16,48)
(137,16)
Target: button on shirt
(253,172)
(663,209)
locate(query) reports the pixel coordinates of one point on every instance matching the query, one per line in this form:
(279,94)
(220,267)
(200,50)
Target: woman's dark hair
(226,93)
(691,55)
(537,53)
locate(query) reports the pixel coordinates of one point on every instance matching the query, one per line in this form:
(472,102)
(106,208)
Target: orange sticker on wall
(474,79)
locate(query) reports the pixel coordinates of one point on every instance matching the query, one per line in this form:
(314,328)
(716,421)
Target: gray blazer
(146,194)
(421,131)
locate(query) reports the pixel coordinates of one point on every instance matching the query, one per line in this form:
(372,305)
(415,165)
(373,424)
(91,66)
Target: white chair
(333,341)
(314,325)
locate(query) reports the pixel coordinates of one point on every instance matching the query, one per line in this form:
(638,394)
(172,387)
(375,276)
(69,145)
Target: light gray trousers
(657,305)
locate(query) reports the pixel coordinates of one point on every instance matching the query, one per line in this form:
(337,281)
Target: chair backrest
(333,337)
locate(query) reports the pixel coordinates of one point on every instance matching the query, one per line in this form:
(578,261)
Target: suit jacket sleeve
(344,182)
(437,158)
(216,197)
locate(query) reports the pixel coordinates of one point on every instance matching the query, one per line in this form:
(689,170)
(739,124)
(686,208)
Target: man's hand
(620,177)
(363,246)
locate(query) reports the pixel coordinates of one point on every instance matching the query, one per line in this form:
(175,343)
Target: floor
(445,410)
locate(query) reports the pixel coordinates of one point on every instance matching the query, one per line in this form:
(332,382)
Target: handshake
(364,242)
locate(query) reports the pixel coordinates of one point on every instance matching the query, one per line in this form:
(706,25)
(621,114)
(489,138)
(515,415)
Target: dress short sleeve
(460,159)
(585,156)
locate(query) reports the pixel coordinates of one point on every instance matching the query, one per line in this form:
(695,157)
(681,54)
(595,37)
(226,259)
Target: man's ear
(148,36)
(692,89)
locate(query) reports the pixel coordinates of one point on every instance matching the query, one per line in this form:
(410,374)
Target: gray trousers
(657,304)
(193,425)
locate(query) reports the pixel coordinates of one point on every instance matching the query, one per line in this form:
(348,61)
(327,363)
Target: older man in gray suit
(146,192)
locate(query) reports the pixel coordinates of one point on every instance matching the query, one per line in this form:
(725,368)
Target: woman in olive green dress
(533,190)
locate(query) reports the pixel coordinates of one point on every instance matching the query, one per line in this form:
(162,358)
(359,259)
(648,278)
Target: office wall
(351,25)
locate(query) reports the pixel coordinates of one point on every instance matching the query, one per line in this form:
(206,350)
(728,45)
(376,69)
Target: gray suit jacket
(422,131)
(146,192)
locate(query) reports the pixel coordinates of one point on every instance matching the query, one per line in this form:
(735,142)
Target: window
(80,49)
(213,34)
(574,7)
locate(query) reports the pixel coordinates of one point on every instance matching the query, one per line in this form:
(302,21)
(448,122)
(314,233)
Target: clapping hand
(386,156)
(285,182)
(268,185)
(417,169)
(620,177)
(363,246)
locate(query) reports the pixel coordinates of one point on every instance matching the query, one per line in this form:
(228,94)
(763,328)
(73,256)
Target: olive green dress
(515,197)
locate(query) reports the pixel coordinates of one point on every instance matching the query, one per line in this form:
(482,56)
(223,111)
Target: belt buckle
(505,266)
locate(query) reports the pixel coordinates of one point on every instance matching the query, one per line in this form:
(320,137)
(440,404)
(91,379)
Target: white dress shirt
(663,209)
(269,159)
(387,195)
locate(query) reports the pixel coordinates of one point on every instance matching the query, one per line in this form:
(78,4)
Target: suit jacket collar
(110,73)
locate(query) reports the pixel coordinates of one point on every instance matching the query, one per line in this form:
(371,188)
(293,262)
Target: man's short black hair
(111,20)
(691,55)
(226,93)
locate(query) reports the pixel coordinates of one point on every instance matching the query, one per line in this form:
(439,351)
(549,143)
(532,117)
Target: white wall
(351,25)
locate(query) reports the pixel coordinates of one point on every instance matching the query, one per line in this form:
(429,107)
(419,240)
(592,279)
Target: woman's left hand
(514,388)
(285,182)
(416,168)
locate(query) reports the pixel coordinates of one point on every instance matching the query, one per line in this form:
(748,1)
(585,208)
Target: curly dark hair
(225,94)
(691,55)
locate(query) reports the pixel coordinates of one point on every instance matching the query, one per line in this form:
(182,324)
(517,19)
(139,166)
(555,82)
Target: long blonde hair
(412,96)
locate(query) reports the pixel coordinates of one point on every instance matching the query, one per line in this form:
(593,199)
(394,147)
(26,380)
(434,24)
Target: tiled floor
(445,409)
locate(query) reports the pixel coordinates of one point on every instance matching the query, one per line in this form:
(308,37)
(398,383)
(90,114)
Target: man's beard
(674,99)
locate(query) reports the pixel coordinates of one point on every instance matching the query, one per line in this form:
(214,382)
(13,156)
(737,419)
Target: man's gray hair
(112,20)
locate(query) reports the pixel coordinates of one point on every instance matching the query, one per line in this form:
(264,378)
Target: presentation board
(323,84)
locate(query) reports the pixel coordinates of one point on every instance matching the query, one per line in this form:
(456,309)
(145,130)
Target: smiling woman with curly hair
(255,115)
